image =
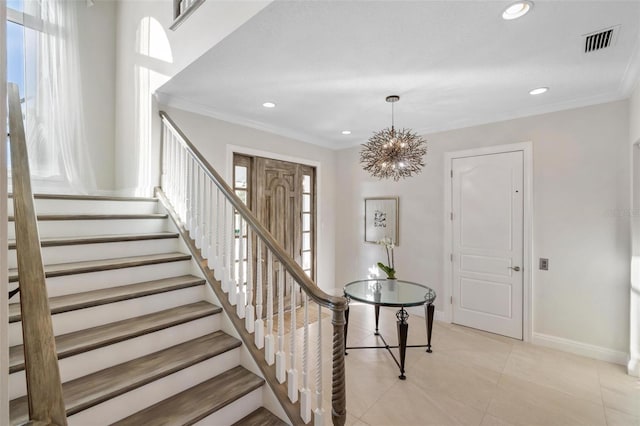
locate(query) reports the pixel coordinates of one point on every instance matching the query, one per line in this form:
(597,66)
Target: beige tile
(360,423)
(367,382)
(470,385)
(523,402)
(620,391)
(490,420)
(408,404)
(472,348)
(618,418)
(574,375)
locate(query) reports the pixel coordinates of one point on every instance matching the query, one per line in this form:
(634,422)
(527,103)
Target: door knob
(515,268)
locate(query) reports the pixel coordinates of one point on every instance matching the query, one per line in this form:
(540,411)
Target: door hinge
(451,301)
(451,257)
(451,215)
(452,173)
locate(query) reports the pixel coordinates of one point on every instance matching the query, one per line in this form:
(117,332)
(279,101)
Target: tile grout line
(604,407)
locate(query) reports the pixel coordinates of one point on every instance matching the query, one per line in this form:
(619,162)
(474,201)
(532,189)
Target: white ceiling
(329,65)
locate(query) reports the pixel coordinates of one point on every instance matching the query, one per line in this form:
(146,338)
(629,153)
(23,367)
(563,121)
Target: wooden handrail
(44,388)
(298,274)
(337,305)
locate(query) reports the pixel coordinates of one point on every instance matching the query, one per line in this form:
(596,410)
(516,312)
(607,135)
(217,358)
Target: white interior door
(487,214)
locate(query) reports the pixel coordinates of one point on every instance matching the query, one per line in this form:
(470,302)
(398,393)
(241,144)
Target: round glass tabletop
(390,292)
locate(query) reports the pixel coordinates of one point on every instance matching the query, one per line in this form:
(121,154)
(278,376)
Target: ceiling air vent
(599,40)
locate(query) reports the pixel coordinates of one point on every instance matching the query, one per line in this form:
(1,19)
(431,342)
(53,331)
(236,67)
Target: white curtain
(53,88)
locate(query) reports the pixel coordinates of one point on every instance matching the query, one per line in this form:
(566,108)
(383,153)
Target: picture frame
(381,219)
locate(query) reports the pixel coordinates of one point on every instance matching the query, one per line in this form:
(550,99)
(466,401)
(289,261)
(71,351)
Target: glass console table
(394,293)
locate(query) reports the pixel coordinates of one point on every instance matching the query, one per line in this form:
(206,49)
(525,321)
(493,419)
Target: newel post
(338,381)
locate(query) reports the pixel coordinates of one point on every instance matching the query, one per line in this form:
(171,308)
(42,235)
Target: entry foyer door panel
(487,205)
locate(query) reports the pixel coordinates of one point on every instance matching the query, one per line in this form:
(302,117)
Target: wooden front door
(284,204)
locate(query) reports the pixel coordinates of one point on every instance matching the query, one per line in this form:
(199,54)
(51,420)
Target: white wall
(211,137)
(634,305)
(581,183)
(97,33)
(148,54)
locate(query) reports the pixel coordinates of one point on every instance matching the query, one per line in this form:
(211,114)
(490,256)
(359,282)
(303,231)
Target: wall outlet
(544,264)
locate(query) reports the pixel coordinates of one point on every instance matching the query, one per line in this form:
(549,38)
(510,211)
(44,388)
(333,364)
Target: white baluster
(183,183)
(233,285)
(174,172)
(249,313)
(259,325)
(188,184)
(163,176)
(211,223)
(205,216)
(292,374)
(241,299)
(269,340)
(305,392)
(281,360)
(318,414)
(195,203)
(218,235)
(224,246)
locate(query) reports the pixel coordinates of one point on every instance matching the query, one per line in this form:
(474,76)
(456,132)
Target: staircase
(140,338)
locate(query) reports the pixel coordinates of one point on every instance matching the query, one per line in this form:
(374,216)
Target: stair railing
(44,389)
(246,258)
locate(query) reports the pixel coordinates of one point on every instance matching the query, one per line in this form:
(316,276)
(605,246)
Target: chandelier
(392,153)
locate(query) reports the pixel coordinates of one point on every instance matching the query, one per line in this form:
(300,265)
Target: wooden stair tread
(97,239)
(88,197)
(87,391)
(260,417)
(47,217)
(60,269)
(196,403)
(92,338)
(72,302)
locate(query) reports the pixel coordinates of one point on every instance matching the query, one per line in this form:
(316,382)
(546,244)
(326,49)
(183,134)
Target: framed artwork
(381,219)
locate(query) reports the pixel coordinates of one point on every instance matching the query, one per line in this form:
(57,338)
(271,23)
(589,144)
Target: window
(307,225)
(241,173)
(23,27)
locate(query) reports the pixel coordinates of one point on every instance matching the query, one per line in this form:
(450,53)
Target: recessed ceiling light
(516,10)
(346,132)
(538,91)
(269,105)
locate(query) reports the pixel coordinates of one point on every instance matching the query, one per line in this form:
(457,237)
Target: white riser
(70,284)
(68,322)
(48,206)
(234,411)
(79,253)
(83,228)
(138,399)
(101,358)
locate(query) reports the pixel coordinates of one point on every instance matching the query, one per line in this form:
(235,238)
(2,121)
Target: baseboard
(579,348)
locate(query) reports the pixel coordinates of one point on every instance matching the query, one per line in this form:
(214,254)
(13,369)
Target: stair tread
(60,269)
(104,296)
(198,402)
(260,417)
(88,197)
(97,239)
(41,217)
(90,390)
(92,338)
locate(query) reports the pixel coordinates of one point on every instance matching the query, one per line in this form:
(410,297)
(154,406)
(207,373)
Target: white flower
(387,242)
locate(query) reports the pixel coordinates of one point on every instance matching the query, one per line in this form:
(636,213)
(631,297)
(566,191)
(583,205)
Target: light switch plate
(544,264)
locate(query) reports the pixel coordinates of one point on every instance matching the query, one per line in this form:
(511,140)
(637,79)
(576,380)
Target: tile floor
(477,378)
